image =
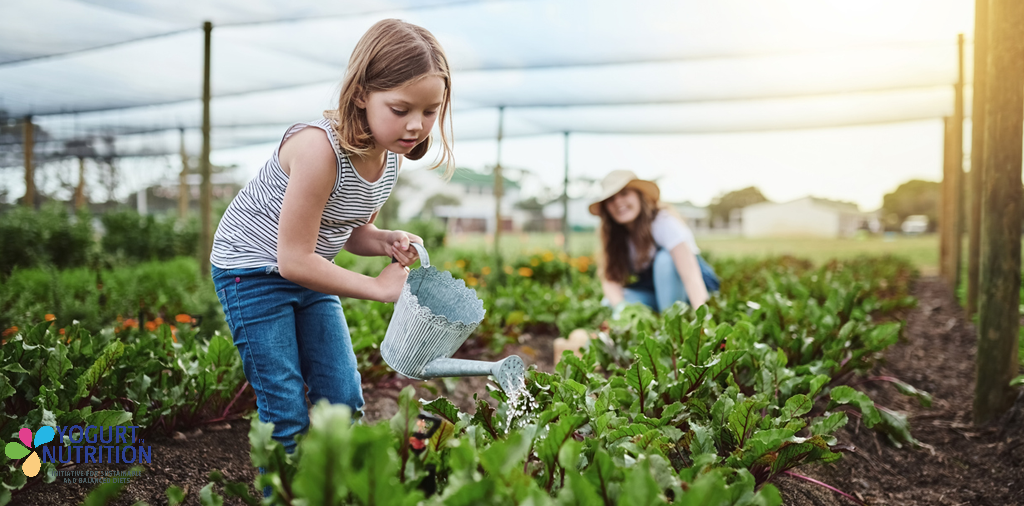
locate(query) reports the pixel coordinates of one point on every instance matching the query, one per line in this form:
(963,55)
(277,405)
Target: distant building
(915,224)
(697,218)
(806,217)
(473,190)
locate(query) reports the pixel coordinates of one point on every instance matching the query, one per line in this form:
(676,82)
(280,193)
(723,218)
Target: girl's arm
(370,241)
(689,271)
(311,165)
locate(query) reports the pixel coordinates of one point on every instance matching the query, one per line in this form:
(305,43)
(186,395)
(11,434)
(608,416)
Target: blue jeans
(668,285)
(288,337)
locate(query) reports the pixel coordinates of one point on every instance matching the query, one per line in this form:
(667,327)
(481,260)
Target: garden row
(704,407)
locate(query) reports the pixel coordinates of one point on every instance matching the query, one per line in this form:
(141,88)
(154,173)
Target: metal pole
(30,175)
(206,190)
(498,190)
(183,190)
(80,189)
(977,152)
(999,294)
(565,199)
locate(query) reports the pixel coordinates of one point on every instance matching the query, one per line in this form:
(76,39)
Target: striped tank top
(247,234)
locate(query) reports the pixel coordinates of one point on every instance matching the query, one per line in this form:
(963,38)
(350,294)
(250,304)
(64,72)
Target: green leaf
(558,434)
(207,497)
(640,379)
(703,441)
(631,431)
(828,425)
(175,495)
(744,418)
(922,397)
(15,367)
(847,395)
(501,457)
(444,408)
(108,418)
(484,418)
(100,367)
(639,487)
(797,405)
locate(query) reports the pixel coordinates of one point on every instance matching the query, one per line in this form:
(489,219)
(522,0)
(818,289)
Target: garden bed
(957,463)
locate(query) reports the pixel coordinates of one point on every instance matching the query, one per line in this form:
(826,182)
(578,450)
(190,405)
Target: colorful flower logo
(16,450)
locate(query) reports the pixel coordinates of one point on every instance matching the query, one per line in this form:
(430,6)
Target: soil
(957,464)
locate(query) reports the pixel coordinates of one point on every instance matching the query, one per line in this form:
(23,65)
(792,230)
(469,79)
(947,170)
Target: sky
(751,82)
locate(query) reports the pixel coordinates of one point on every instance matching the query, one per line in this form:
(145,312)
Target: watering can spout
(509,372)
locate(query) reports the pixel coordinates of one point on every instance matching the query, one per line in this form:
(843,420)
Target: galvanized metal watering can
(433,316)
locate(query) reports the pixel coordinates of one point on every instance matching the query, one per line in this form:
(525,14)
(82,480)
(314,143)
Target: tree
(722,205)
(910,198)
(439,199)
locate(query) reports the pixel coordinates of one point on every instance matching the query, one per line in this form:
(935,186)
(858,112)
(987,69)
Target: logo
(17,450)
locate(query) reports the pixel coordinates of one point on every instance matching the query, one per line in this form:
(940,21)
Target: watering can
(434,315)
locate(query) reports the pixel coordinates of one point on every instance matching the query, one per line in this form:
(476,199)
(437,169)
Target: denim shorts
(289,337)
(668,285)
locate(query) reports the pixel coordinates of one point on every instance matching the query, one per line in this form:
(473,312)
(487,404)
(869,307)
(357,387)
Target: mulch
(957,465)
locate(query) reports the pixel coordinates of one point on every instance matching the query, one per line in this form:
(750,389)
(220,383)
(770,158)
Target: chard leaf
(847,395)
(798,405)
(484,418)
(703,442)
(828,425)
(100,367)
(444,408)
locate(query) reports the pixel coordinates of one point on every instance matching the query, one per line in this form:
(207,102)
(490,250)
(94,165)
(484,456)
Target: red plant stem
(232,403)
(825,485)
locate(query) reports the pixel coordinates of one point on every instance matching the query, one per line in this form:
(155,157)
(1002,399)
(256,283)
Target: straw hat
(616,180)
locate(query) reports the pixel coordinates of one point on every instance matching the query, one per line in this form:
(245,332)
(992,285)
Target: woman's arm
(310,163)
(614,292)
(689,271)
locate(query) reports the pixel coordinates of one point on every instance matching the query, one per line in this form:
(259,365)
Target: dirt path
(960,465)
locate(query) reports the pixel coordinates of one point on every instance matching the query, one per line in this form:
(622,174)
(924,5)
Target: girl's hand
(396,245)
(390,282)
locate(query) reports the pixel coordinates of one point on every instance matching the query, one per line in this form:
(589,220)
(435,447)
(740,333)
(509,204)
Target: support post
(999,294)
(183,189)
(80,189)
(958,169)
(498,190)
(946,205)
(30,173)
(977,152)
(565,199)
(206,189)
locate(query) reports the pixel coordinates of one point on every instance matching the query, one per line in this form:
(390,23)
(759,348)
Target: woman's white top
(668,232)
(247,234)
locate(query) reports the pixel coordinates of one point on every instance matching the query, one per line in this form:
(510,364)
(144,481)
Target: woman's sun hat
(616,180)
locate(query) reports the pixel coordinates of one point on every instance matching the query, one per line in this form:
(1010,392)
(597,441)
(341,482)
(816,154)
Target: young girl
(641,238)
(320,191)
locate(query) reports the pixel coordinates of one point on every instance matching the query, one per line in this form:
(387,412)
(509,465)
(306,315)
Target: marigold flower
(508,269)
(49,317)
(471,281)
(183,318)
(534,262)
(151,325)
(158,321)
(131,323)
(525,272)
(548,256)
(485,270)
(10,331)
(61,332)
(460,263)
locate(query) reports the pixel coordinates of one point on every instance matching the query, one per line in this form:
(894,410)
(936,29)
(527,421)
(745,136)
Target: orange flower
(471,281)
(61,332)
(548,256)
(183,318)
(10,331)
(508,269)
(525,272)
(49,317)
(485,271)
(158,321)
(131,323)
(151,325)
(460,263)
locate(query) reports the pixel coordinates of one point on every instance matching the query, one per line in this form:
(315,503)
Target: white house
(475,195)
(806,217)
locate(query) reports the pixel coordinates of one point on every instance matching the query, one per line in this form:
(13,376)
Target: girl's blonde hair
(390,55)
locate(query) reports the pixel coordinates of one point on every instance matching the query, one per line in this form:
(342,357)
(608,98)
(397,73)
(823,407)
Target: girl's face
(624,207)
(402,118)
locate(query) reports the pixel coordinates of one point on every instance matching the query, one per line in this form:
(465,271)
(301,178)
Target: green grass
(922,251)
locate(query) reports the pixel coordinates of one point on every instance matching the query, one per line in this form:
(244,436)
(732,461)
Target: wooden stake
(999,293)
(947,206)
(30,173)
(206,189)
(977,152)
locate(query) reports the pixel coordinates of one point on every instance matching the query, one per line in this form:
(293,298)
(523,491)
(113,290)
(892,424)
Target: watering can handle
(424,257)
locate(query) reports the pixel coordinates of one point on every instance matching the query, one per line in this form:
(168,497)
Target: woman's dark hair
(615,239)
